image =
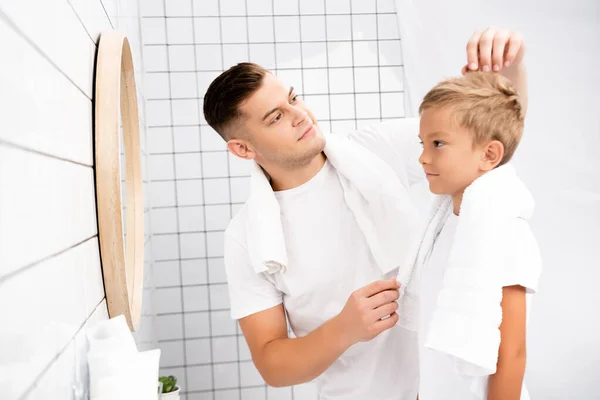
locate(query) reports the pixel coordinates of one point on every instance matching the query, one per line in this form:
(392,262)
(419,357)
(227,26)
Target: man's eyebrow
(276,108)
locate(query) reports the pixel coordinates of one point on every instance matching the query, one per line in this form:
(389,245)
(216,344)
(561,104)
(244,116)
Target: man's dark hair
(227,92)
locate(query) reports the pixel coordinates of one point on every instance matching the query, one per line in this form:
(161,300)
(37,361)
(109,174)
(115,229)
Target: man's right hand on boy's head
(369,311)
(493,50)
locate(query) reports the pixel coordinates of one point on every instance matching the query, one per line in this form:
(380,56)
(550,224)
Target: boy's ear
(241,149)
(493,154)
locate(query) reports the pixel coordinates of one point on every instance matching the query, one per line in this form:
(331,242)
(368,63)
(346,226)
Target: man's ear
(493,154)
(241,149)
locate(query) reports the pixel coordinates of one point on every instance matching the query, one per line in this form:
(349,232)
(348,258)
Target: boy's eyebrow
(441,133)
(276,108)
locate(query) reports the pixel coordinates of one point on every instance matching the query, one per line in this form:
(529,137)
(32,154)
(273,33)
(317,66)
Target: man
(302,247)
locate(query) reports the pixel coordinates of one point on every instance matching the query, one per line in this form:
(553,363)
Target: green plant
(169,383)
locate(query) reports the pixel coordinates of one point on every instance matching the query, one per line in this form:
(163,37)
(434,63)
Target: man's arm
(507,382)
(284,361)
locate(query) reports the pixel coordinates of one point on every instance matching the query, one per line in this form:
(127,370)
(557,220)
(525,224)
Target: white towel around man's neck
(465,324)
(379,200)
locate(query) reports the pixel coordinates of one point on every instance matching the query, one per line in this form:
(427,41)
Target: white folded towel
(489,240)
(381,204)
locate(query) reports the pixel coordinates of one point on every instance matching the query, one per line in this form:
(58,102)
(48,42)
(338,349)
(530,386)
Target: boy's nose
(423,159)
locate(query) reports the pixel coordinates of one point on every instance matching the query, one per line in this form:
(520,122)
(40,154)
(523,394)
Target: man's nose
(299,116)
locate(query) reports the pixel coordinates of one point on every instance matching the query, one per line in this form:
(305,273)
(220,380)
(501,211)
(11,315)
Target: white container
(170,396)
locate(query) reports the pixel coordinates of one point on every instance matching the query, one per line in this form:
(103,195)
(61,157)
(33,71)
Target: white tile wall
(343,56)
(51,286)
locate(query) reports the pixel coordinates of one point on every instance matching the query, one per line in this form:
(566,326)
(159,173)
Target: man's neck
(289,178)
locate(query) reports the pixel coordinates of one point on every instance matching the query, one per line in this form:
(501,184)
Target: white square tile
(187,166)
(189,192)
(153,31)
(204,81)
(199,378)
(260,7)
(214,165)
(240,189)
(167,300)
(313,28)
(217,217)
(209,57)
(392,105)
(186,138)
(285,7)
(390,53)
(363,6)
(164,220)
(366,79)
(235,208)
(391,79)
(191,219)
(258,393)
(234,30)
(314,55)
(287,29)
(169,327)
(249,375)
(239,166)
(160,140)
(216,270)
(216,191)
(156,85)
(155,58)
(367,106)
(337,6)
(226,375)
(152,8)
(312,7)
(206,8)
(195,298)
(215,244)
(365,53)
(171,353)
(387,6)
(166,273)
(219,296)
(343,126)
(245,354)
(197,325)
(305,391)
(207,30)
(222,324)
(233,7)
(342,106)
(227,394)
(340,54)
(194,272)
(292,77)
(192,245)
(263,55)
(180,31)
(234,54)
(341,80)
(178,8)
(338,27)
(185,112)
(316,81)
(388,26)
(162,194)
(198,350)
(288,55)
(158,112)
(364,27)
(319,105)
(161,166)
(280,393)
(224,349)
(181,58)
(260,29)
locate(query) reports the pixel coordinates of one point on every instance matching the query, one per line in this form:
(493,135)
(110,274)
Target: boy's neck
(457,201)
(289,178)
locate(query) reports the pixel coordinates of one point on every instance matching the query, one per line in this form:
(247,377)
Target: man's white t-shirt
(438,377)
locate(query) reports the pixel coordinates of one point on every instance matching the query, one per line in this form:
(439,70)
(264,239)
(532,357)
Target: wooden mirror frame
(122,266)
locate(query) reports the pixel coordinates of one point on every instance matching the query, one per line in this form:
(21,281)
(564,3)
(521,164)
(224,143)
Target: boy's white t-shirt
(438,377)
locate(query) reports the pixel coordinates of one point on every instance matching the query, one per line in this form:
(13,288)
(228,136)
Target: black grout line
(267,16)
(214,44)
(3,142)
(280,69)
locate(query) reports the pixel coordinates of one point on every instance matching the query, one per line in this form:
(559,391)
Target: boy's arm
(507,382)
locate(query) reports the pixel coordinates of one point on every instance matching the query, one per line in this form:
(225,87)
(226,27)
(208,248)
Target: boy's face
(449,158)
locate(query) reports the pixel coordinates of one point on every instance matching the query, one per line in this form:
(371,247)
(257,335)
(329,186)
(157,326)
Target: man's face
(449,158)
(279,126)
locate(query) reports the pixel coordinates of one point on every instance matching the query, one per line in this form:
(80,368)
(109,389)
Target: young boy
(477,263)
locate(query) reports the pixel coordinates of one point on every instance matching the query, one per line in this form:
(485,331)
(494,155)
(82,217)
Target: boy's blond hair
(485,103)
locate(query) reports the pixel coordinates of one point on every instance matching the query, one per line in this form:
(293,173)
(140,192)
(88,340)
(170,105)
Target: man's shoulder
(236,229)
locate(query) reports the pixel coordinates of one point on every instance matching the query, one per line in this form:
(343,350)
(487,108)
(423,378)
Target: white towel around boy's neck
(466,321)
(379,200)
